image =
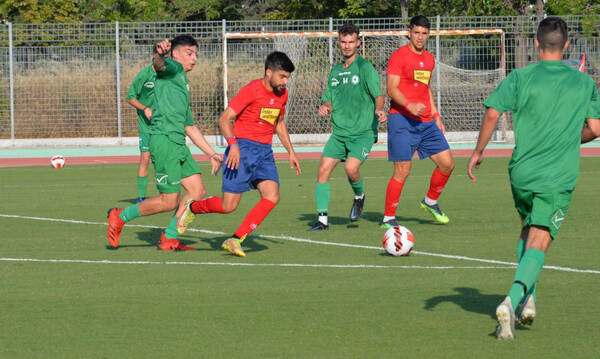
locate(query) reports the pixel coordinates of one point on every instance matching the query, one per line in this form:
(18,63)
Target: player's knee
(272,197)
(447,168)
(229,207)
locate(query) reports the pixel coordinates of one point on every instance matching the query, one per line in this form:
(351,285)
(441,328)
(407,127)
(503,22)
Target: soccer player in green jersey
(174,165)
(355,101)
(550,102)
(141,97)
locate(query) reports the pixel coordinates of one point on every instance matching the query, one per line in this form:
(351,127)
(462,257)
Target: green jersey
(142,89)
(550,102)
(352,92)
(171,112)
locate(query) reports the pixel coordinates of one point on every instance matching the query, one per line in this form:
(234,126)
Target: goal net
(469,65)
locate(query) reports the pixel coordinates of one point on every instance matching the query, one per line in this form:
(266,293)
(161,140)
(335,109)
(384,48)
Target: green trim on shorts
(144,142)
(341,147)
(542,209)
(172,162)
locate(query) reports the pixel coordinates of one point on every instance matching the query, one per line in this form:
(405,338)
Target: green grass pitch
(297,294)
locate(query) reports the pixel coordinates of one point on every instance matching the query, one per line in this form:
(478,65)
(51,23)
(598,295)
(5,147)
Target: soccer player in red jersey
(414,123)
(257,112)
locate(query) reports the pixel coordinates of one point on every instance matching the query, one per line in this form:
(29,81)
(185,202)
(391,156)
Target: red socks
(208,205)
(255,217)
(437,184)
(392,196)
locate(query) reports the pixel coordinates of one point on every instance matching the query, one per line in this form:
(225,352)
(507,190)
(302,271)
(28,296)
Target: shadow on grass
(471,300)
(468,299)
(373,217)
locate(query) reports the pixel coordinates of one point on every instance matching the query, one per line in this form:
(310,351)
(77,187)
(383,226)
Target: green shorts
(542,209)
(144,142)
(342,148)
(172,162)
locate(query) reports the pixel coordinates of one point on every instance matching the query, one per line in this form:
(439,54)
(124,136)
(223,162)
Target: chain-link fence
(70,80)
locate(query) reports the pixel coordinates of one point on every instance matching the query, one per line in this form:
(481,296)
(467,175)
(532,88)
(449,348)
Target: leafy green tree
(39,11)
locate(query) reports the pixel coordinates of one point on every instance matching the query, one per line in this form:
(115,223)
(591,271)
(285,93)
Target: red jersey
(415,73)
(257,112)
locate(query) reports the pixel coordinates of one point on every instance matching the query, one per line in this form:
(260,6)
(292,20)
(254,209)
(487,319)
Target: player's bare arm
(591,130)
(233,158)
(416,108)
(381,114)
(325,109)
(198,139)
(435,114)
(162,51)
(140,106)
(490,120)
(284,137)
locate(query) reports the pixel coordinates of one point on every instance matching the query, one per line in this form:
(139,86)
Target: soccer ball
(57,161)
(398,241)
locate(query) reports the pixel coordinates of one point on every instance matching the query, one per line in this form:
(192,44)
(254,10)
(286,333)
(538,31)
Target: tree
(39,11)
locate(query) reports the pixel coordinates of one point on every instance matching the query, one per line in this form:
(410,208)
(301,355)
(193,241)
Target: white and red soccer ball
(57,161)
(398,241)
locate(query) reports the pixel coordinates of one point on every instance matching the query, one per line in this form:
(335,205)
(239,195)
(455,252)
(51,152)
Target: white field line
(305,240)
(234,264)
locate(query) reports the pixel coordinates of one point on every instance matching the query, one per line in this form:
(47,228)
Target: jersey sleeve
(504,97)
(136,86)
(189,118)
(372,80)
(594,107)
(327,93)
(243,98)
(394,66)
(171,69)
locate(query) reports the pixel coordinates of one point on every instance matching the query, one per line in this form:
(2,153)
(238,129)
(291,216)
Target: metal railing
(70,80)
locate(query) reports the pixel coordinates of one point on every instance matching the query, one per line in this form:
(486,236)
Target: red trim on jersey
(257,112)
(415,71)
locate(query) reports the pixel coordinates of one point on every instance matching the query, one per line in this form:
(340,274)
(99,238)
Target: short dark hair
(348,29)
(278,60)
(552,33)
(183,40)
(419,20)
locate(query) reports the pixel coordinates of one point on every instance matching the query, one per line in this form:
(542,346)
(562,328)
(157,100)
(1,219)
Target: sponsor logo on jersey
(149,85)
(272,101)
(355,79)
(422,76)
(421,64)
(334,82)
(269,115)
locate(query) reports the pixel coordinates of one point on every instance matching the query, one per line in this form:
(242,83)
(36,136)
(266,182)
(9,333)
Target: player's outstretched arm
(198,139)
(490,120)
(591,130)
(284,137)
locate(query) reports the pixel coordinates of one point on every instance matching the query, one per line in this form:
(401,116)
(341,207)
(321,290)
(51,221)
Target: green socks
(527,274)
(322,194)
(130,213)
(142,183)
(357,187)
(171,230)
(520,252)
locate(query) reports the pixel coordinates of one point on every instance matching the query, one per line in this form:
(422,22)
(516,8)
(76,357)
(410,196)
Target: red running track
(91,160)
